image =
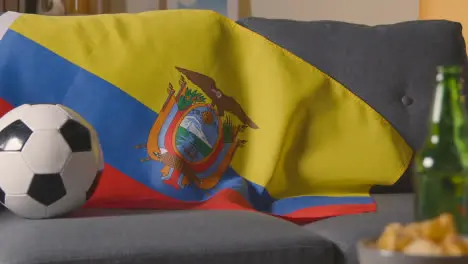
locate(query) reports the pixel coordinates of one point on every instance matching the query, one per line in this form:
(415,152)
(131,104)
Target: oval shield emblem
(194,135)
(198,134)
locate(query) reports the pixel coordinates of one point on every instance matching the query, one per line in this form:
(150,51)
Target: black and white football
(50,160)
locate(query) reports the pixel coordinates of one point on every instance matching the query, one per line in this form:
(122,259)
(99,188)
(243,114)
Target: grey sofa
(390,66)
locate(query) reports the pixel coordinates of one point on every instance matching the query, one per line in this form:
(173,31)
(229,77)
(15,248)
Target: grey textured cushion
(208,237)
(345,231)
(391,67)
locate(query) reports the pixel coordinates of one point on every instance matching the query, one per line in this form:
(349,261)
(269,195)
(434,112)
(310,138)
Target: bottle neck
(448,113)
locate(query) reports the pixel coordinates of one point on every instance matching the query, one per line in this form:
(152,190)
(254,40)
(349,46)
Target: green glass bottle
(441,165)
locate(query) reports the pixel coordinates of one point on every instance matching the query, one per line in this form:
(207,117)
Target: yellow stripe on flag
(315,137)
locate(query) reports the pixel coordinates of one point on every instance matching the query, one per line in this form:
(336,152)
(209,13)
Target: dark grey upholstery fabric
(346,231)
(206,237)
(391,67)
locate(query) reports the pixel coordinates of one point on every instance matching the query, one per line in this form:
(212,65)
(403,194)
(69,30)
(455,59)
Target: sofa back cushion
(391,67)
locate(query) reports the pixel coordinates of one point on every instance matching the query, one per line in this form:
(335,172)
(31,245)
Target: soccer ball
(50,160)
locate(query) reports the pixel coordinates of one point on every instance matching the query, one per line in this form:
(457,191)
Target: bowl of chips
(434,241)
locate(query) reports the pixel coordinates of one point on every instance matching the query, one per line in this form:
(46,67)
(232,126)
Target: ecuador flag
(196,112)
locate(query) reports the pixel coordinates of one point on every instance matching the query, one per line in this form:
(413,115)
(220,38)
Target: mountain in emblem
(194,126)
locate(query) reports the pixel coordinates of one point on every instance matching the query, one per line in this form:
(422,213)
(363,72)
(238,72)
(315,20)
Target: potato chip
(423,247)
(393,238)
(453,245)
(414,230)
(388,239)
(437,229)
(434,237)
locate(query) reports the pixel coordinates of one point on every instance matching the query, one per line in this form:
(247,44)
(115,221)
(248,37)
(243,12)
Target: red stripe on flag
(115,185)
(5,107)
(226,199)
(315,213)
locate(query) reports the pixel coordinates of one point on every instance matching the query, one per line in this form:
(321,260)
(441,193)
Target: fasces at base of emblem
(195,137)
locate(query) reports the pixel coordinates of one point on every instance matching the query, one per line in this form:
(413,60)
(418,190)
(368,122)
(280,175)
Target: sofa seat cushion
(346,231)
(95,236)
